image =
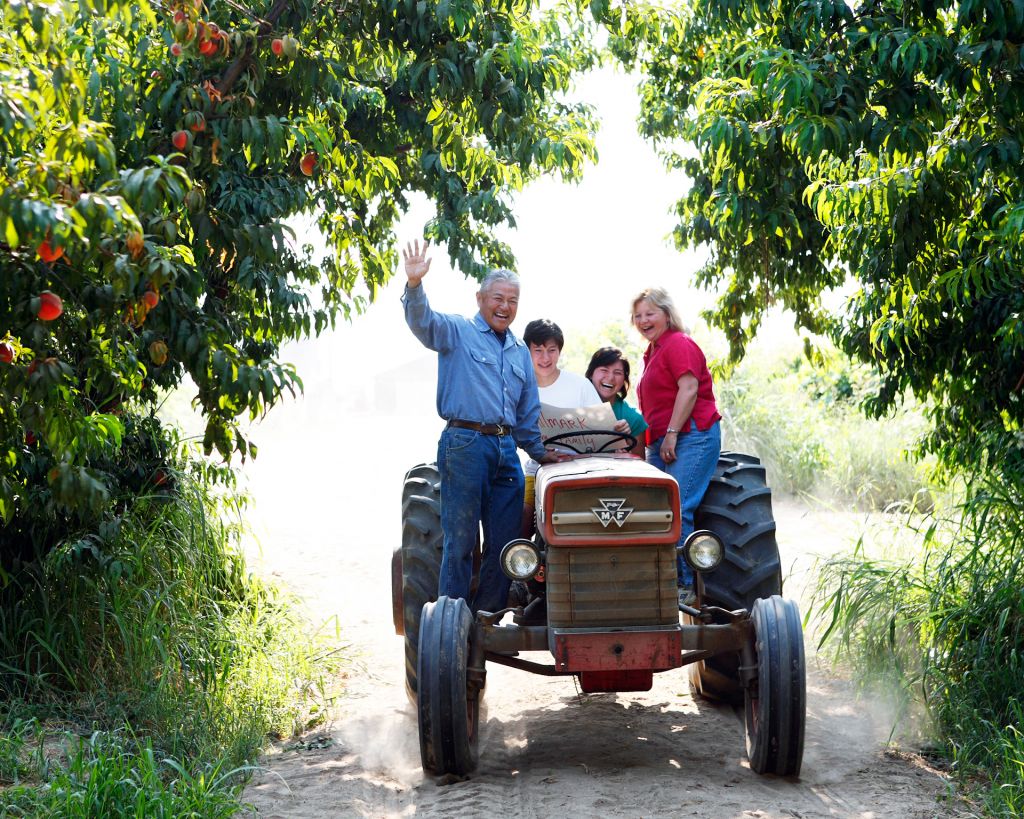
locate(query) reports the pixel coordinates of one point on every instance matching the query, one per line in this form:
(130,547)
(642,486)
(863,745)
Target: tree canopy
(878,143)
(153,159)
(155,155)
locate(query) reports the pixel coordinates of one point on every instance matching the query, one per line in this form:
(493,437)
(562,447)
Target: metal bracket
(476,675)
(489,618)
(697,614)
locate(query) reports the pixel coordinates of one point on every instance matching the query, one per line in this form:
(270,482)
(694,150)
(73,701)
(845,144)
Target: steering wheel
(611,433)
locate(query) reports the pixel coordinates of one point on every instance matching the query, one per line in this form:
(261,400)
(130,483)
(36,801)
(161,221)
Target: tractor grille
(594,587)
(585,513)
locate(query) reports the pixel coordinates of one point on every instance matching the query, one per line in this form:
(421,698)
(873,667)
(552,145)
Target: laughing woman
(609,373)
(678,402)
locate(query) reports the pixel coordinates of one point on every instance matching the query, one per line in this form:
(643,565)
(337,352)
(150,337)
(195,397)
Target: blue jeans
(481,482)
(696,458)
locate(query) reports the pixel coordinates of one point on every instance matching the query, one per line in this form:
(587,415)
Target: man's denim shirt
(478,378)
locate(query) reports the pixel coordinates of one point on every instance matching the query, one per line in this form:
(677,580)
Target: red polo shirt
(665,362)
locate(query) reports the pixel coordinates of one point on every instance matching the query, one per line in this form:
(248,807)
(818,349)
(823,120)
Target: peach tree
(161,164)
(875,146)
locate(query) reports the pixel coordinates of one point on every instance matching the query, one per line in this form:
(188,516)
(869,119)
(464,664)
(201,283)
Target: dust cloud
(384,744)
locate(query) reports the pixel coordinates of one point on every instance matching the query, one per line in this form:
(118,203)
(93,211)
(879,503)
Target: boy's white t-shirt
(567,392)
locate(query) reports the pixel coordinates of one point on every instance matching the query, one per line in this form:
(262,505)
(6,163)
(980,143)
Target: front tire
(738,508)
(448,707)
(422,546)
(775,708)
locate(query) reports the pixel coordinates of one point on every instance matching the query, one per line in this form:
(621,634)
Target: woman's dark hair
(541,331)
(605,357)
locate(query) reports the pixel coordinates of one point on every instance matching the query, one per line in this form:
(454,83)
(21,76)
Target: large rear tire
(448,708)
(738,508)
(775,708)
(422,544)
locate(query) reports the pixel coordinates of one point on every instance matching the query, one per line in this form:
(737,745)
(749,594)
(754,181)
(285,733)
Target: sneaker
(687,596)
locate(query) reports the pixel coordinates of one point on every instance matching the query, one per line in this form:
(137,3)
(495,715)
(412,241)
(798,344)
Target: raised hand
(416,262)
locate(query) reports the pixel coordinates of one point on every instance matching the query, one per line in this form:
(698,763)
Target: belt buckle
(502,430)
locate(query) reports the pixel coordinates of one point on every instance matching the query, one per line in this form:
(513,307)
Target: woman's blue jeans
(481,482)
(696,458)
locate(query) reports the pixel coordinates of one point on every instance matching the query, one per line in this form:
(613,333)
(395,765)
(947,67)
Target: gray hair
(499,275)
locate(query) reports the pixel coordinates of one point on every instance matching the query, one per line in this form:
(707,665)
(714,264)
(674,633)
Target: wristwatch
(669,429)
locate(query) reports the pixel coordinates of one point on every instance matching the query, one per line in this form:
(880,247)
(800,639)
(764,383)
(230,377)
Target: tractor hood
(606,500)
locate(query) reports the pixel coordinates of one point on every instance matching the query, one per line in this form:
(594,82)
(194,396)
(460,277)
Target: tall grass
(151,637)
(109,775)
(948,625)
(804,421)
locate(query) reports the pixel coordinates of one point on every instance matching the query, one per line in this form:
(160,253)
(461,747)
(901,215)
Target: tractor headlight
(703,550)
(520,559)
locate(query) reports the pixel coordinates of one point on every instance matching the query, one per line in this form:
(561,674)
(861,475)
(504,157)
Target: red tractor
(594,596)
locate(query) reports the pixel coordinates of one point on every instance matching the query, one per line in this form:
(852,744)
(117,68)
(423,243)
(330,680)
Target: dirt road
(546,750)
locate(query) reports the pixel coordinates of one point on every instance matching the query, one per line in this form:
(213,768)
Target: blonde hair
(663,301)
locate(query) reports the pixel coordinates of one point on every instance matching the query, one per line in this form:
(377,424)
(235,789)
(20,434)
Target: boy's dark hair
(541,331)
(605,357)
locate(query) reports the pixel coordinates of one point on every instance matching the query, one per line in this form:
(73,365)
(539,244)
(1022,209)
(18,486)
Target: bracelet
(673,431)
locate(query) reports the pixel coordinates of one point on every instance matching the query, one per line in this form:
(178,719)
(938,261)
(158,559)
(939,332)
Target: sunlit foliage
(151,157)
(873,142)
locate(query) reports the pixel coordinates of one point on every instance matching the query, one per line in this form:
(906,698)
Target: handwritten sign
(586,422)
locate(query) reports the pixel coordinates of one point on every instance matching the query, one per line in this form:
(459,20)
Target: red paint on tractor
(605,474)
(633,650)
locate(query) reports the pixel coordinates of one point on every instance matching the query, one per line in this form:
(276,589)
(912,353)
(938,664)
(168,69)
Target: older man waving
(487,393)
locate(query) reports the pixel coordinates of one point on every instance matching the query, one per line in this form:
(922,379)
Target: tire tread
(775,741)
(738,508)
(445,706)
(422,543)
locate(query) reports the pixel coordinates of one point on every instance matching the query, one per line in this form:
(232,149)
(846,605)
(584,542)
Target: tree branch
(243,10)
(242,61)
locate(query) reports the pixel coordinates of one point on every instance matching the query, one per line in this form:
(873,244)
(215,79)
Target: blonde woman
(677,400)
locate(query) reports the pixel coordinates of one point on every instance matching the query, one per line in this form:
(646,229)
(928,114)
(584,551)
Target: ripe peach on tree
(49,250)
(50,306)
(204,171)
(182,140)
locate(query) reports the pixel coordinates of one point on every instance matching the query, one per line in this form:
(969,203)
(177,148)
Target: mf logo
(612,509)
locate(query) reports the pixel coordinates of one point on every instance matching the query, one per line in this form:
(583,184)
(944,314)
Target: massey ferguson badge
(612,510)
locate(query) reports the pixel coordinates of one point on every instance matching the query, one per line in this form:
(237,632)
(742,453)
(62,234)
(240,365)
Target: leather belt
(486,429)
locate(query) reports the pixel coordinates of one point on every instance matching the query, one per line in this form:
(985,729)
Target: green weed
(109,775)
(154,623)
(947,626)
(21,757)
(804,421)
